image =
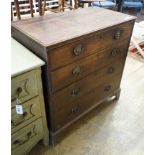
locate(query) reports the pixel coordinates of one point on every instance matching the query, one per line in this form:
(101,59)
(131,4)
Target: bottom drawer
(23,140)
(71,110)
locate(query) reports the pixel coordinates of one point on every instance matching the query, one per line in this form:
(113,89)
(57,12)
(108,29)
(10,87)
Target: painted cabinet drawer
(24,87)
(23,140)
(31,111)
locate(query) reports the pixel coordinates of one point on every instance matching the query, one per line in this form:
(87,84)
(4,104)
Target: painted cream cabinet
(28,128)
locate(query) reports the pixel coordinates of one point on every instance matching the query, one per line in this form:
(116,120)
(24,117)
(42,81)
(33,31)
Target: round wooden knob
(16,142)
(19,90)
(29,134)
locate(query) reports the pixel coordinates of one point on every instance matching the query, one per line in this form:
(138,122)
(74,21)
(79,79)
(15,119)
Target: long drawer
(68,111)
(77,89)
(31,111)
(23,140)
(79,49)
(24,87)
(75,71)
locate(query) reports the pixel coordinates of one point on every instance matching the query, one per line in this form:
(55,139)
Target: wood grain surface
(68,25)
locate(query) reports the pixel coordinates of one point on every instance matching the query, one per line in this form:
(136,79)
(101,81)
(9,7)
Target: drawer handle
(75,110)
(117,35)
(75,92)
(107,88)
(19,90)
(114,52)
(78,49)
(77,71)
(110,70)
(29,134)
(21,120)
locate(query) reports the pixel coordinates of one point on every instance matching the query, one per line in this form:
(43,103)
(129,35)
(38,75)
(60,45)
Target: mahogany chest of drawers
(85,52)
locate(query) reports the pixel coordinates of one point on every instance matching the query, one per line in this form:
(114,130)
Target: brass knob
(117,35)
(107,88)
(75,92)
(78,49)
(114,52)
(110,70)
(76,71)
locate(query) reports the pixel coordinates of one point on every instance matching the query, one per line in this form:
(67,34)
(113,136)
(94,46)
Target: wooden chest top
(60,28)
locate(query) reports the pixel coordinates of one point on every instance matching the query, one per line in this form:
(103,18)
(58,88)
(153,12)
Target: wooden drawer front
(71,73)
(75,51)
(26,138)
(71,110)
(93,80)
(24,87)
(31,111)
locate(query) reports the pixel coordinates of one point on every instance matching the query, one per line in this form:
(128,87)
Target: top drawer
(24,87)
(76,50)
